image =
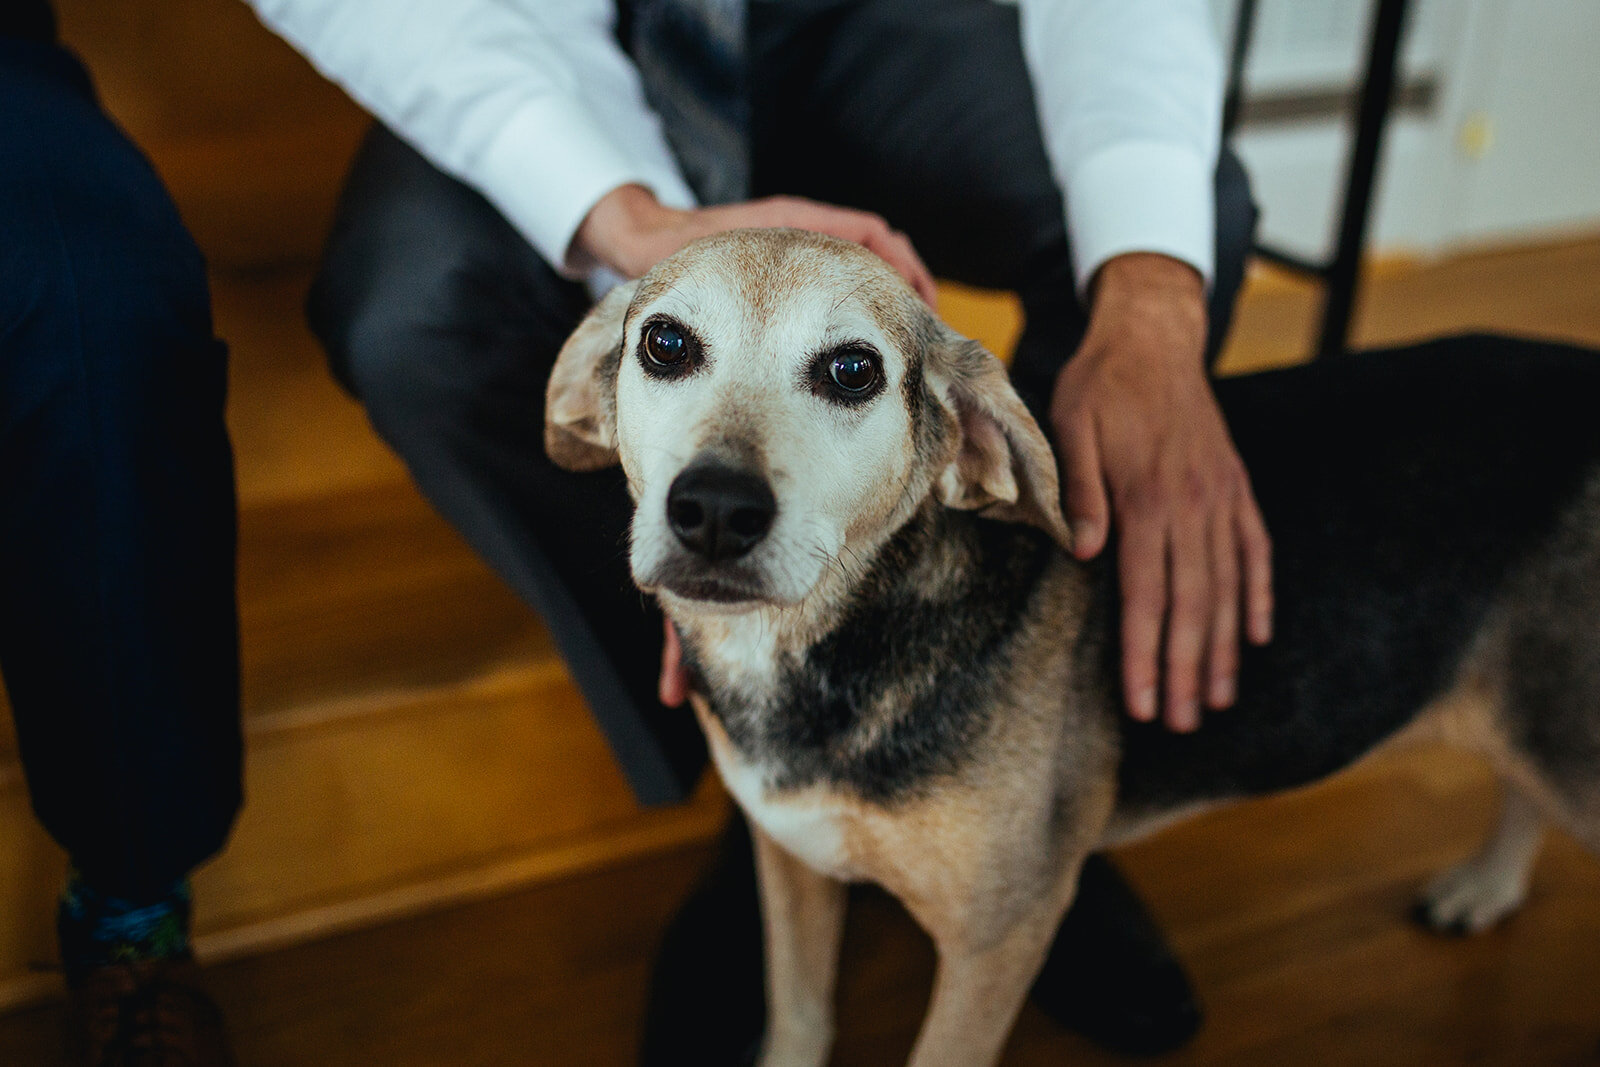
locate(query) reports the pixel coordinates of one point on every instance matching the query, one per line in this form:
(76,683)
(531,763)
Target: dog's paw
(1471,897)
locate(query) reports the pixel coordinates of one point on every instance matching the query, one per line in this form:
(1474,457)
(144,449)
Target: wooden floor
(1290,912)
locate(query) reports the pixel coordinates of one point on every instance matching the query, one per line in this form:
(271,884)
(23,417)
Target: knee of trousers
(99,280)
(119,316)
(1236,210)
(394,337)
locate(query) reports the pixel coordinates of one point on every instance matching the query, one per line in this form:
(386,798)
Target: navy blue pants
(445,322)
(118,632)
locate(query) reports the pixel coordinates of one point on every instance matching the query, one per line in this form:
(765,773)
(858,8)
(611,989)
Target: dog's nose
(720,512)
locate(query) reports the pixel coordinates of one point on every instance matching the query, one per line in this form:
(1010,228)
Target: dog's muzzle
(719,512)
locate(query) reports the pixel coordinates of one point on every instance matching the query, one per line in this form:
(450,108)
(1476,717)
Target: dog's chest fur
(902,690)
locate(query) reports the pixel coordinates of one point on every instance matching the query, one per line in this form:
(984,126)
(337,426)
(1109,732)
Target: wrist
(1144,280)
(617,231)
(1150,296)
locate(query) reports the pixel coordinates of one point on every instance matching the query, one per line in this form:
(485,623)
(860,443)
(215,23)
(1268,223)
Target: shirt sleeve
(1130,103)
(539,109)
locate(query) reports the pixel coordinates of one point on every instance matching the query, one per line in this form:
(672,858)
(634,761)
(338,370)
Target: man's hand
(630,231)
(1141,435)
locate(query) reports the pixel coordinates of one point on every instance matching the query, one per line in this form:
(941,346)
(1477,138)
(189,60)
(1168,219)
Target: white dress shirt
(535,104)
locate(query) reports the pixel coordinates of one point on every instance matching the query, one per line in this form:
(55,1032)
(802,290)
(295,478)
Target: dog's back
(1427,505)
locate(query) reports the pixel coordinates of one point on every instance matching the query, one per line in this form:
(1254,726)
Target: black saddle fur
(1402,488)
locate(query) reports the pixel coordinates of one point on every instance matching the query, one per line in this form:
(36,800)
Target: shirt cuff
(1141,196)
(547,200)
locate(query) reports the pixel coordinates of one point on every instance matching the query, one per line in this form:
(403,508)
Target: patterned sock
(97,929)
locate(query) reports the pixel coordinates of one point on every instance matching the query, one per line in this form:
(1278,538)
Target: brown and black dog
(853,522)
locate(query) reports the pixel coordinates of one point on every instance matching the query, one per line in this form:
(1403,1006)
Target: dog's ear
(580,410)
(1004,467)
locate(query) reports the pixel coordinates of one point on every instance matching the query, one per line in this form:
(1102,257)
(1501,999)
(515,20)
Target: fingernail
(1223,692)
(1187,718)
(1083,532)
(1144,705)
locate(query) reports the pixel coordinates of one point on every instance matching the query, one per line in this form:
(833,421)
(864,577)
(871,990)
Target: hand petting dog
(630,231)
(1138,430)
(1140,434)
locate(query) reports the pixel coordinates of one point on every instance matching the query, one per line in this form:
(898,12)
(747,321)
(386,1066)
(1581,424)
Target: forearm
(1147,325)
(1156,289)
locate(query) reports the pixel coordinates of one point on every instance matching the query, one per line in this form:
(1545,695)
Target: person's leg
(118,638)
(118,632)
(922,111)
(445,323)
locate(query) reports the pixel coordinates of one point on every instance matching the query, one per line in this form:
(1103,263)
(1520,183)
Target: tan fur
(959,860)
(578,434)
(1004,468)
(803,914)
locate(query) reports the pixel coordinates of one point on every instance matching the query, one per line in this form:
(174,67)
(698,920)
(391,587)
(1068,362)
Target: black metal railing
(1340,274)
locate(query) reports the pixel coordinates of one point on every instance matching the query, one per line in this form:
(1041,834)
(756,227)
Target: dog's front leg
(980,988)
(803,913)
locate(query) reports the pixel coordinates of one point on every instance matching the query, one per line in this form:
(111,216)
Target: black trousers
(118,639)
(445,323)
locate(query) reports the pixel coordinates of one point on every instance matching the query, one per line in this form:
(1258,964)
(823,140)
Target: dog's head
(782,403)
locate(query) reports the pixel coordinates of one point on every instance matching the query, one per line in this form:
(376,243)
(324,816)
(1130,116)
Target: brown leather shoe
(148,1014)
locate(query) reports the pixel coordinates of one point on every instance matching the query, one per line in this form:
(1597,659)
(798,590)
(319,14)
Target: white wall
(1508,151)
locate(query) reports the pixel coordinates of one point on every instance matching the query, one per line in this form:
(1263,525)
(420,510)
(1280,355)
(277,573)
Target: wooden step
(366,593)
(1290,914)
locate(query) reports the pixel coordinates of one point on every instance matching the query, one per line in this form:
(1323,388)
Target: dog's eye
(854,370)
(665,345)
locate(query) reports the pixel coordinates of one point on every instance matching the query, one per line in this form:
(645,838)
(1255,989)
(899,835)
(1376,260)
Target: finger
(673,688)
(1087,507)
(862,227)
(1222,655)
(1142,567)
(1188,619)
(1256,551)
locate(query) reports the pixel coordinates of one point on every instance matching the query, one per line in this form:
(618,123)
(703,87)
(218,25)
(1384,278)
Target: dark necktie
(690,54)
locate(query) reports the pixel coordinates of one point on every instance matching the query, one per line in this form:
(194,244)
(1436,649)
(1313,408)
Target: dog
(904,677)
